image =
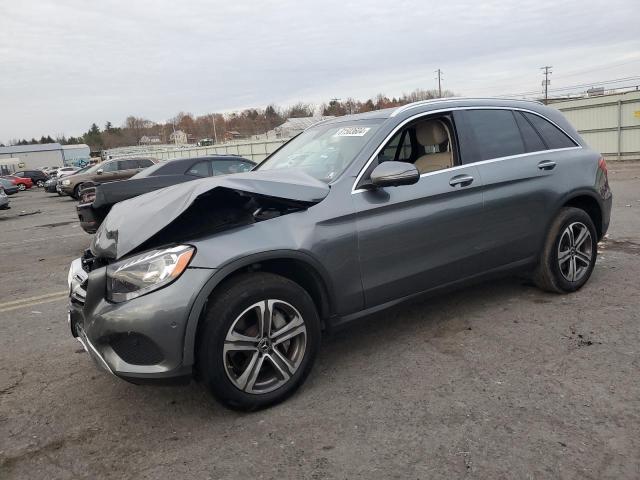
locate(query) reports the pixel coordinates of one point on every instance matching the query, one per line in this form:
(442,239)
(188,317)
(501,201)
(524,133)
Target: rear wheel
(260,337)
(40,183)
(569,254)
(22,187)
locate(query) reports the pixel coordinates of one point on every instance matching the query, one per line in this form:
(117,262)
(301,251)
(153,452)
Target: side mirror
(394,174)
(99,171)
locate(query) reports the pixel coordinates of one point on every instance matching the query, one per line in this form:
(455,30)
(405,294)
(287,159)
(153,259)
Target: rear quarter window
(531,138)
(552,135)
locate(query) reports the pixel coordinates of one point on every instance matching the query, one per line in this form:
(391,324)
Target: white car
(64,171)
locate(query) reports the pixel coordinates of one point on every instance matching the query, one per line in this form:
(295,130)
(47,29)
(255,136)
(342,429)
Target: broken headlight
(144,273)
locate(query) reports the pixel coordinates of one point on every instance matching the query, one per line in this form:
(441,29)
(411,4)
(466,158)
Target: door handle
(462,180)
(547,165)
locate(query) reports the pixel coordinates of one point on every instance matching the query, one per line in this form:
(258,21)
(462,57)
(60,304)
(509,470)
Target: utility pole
(439,72)
(215,135)
(546,81)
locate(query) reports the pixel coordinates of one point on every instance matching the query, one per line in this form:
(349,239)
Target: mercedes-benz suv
(232,279)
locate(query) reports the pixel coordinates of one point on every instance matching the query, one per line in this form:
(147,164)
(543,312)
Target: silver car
(4,199)
(232,279)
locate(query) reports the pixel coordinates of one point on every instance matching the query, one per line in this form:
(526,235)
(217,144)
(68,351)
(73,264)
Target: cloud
(68,63)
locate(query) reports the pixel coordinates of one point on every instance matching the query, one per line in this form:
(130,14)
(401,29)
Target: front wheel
(40,183)
(260,337)
(569,253)
(76,191)
(22,187)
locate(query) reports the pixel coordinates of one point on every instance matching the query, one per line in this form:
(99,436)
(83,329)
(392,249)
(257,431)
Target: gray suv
(232,279)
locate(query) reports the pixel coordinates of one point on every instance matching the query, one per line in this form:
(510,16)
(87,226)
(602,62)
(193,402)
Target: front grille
(136,349)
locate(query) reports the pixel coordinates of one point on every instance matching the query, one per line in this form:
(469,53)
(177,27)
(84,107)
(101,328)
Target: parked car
(233,277)
(95,202)
(9,187)
(4,199)
(37,177)
(112,170)
(51,185)
(64,171)
(23,183)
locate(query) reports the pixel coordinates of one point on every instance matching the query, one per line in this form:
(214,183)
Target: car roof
(433,104)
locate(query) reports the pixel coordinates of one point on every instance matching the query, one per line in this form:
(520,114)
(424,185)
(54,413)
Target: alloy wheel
(575,251)
(264,346)
(21,186)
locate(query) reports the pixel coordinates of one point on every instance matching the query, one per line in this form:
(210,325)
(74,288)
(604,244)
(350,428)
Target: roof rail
(409,106)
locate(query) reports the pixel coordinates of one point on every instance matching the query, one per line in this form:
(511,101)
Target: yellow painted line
(34,299)
(33,303)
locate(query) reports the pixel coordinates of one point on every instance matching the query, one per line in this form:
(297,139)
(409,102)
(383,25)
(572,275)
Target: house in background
(233,135)
(178,137)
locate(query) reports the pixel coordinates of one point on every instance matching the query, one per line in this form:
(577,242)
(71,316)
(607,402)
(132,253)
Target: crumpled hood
(132,222)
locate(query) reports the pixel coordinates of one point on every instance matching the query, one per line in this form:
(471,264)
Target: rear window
(144,163)
(552,135)
(200,169)
(496,133)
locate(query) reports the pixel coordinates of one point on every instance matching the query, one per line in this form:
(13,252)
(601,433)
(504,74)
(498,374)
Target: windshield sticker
(352,132)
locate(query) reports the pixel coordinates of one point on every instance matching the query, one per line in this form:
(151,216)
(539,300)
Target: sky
(65,64)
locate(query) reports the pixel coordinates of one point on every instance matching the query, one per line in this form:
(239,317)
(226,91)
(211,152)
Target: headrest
(431,133)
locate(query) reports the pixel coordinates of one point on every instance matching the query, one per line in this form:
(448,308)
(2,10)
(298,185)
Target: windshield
(323,151)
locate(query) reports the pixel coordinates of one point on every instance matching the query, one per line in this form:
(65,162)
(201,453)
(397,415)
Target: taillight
(602,165)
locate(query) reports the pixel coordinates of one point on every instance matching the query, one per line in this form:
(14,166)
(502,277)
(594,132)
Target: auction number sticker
(352,132)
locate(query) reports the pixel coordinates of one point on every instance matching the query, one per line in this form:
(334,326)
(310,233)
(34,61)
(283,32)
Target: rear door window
(552,135)
(532,140)
(496,133)
(200,169)
(127,165)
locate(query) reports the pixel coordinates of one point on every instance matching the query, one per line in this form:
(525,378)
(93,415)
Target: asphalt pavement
(498,380)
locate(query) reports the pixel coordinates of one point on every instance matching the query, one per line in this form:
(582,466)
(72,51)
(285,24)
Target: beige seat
(430,133)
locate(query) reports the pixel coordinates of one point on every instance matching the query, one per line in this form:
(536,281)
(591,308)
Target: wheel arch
(297,266)
(588,201)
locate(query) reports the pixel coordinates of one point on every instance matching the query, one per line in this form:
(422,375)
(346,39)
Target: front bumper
(141,340)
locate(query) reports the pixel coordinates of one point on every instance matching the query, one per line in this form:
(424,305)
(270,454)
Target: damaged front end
(191,210)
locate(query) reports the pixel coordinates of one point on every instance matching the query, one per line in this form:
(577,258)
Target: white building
(44,155)
(178,137)
(609,123)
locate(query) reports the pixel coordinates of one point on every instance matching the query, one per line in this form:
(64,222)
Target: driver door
(414,238)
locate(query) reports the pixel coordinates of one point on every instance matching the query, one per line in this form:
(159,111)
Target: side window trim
(355,188)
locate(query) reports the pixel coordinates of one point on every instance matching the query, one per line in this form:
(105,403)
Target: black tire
(227,304)
(40,183)
(76,191)
(22,187)
(549,274)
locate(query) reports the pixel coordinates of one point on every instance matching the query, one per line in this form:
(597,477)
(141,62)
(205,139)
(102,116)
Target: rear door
(413,238)
(517,168)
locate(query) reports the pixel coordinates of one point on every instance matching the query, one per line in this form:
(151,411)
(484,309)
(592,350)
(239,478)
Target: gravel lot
(495,381)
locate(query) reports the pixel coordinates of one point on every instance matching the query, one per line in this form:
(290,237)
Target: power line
(571,87)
